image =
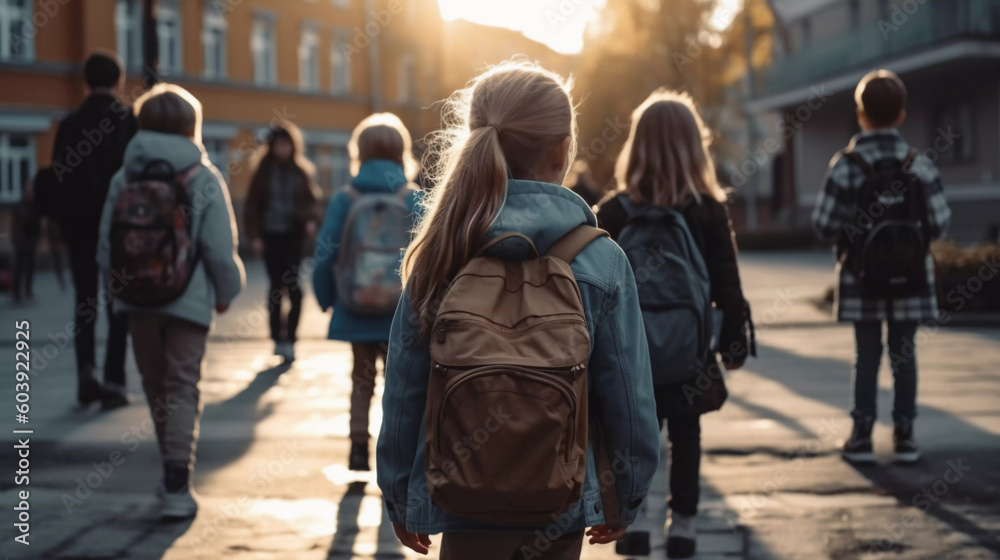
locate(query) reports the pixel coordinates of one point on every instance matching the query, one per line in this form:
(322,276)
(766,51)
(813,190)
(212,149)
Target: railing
(933,22)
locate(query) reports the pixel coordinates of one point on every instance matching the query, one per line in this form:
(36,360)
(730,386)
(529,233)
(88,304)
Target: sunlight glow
(559,24)
(725,12)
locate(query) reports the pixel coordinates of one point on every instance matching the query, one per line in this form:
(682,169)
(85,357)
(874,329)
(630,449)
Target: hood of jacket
(543,212)
(378,176)
(147,146)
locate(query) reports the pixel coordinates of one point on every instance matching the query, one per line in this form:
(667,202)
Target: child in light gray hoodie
(169,340)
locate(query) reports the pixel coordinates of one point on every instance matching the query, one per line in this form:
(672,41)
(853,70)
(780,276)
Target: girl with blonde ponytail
(509,140)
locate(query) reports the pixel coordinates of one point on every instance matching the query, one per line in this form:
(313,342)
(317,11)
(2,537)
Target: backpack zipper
(517,370)
(443,324)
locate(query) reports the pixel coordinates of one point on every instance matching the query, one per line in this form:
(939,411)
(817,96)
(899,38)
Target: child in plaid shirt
(881,101)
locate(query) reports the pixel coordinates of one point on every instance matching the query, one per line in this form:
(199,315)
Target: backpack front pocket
(502,445)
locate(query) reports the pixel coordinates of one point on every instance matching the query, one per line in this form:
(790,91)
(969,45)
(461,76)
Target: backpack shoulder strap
(628,206)
(570,245)
(860,162)
(189,173)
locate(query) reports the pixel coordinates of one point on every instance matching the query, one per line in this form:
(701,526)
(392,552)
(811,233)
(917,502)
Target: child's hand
(415,542)
(221,308)
(258,246)
(602,534)
(310,228)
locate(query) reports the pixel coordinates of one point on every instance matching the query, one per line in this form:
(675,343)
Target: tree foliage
(638,46)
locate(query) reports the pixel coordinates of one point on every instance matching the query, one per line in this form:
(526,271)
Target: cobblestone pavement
(272,457)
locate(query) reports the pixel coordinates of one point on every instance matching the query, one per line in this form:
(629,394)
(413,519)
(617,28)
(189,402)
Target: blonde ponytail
(498,128)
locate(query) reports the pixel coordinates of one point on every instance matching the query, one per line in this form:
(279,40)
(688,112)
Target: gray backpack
(674,291)
(376,232)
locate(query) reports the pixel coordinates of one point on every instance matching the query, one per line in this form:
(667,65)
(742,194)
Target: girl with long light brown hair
(666,163)
(509,141)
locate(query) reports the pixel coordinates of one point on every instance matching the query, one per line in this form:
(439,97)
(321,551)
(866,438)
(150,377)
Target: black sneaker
(112,398)
(358,460)
(858,449)
(88,390)
(906,450)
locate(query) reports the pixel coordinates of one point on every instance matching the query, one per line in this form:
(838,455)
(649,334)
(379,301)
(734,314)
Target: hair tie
(495,127)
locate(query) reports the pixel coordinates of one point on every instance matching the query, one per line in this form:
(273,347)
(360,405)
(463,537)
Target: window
(309,59)
(262,43)
(128,33)
(17,164)
(340,167)
(340,64)
(405,83)
(168,35)
(17,34)
(213,37)
(218,153)
(953,136)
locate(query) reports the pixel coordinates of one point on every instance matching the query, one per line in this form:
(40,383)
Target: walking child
(281,213)
(358,255)
(690,292)
(168,246)
(515,304)
(882,204)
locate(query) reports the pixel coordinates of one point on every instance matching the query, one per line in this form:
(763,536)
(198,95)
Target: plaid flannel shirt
(838,205)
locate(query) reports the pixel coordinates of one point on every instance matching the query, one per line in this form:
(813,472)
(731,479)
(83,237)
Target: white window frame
(265,59)
(406,78)
(170,37)
(214,34)
(12,11)
(11,157)
(309,46)
(340,64)
(128,33)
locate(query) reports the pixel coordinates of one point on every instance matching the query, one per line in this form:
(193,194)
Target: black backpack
(886,248)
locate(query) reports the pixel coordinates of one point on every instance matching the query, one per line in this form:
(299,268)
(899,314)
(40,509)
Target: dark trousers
(515,545)
(282,257)
(902,359)
(684,433)
(363,386)
(24,270)
(83,263)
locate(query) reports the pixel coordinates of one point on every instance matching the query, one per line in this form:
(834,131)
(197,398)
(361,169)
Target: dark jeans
(513,545)
(282,257)
(684,433)
(83,263)
(902,358)
(366,355)
(24,271)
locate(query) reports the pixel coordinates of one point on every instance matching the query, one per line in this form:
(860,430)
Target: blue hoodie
(375,176)
(619,376)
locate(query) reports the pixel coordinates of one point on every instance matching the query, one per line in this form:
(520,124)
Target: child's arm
(836,203)
(621,389)
(104,230)
(404,401)
(328,250)
(939,214)
(218,240)
(727,290)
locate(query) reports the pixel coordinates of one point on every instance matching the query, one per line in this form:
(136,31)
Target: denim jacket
(619,376)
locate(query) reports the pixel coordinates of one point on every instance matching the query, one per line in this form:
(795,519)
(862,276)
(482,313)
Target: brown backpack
(507,419)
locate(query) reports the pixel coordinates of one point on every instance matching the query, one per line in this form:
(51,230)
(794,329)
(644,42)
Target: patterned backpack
(151,242)
(376,231)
